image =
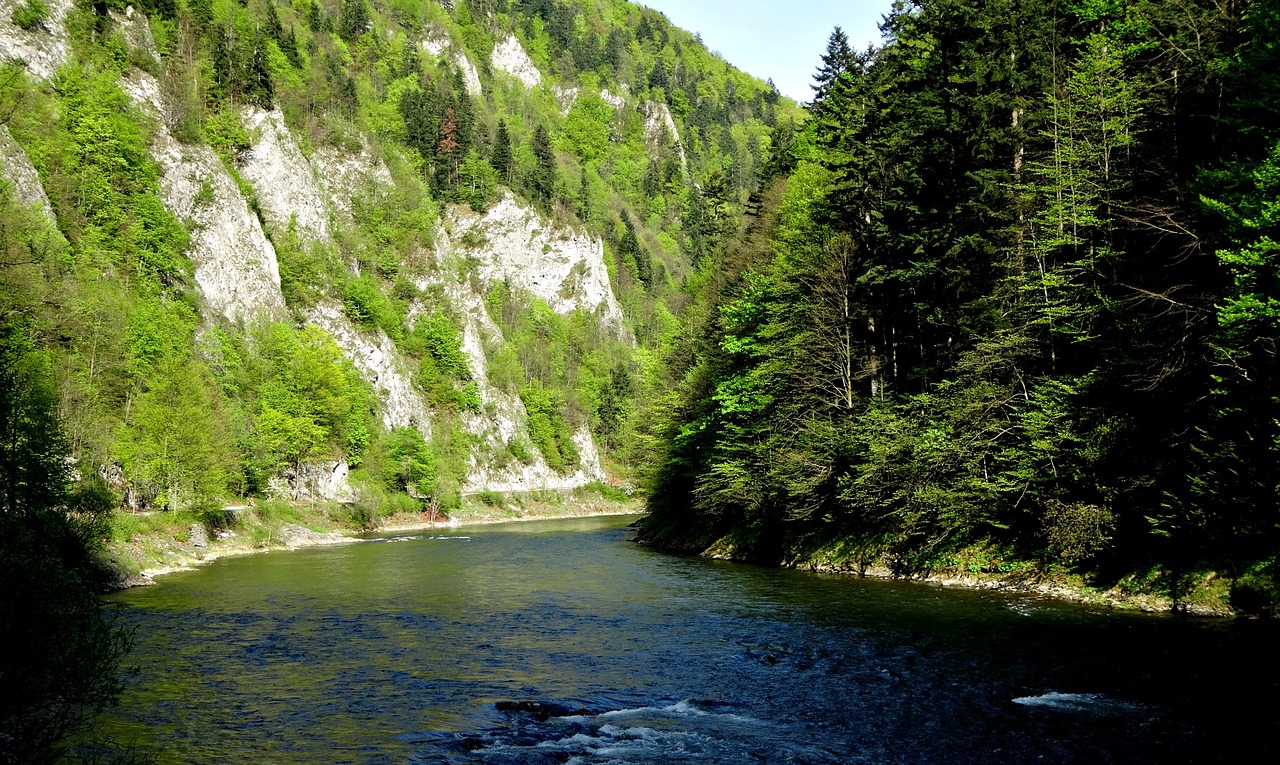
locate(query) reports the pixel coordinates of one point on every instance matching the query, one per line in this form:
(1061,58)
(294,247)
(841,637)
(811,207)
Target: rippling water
(562,642)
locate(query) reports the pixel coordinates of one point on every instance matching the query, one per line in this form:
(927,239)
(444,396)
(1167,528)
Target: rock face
(509,56)
(378,361)
(659,125)
(237,272)
(42,49)
(538,476)
(565,97)
(437,43)
(321,480)
(564,268)
(282,179)
(504,420)
(609,98)
(18,169)
(137,32)
(235,264)
(346,176)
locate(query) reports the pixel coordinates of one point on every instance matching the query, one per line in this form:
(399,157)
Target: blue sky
(782,40)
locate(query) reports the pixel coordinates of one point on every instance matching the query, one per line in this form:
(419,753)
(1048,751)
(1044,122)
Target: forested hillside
(1012,298)
(257,245)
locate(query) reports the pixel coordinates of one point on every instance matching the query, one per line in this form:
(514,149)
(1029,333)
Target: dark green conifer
(502,152)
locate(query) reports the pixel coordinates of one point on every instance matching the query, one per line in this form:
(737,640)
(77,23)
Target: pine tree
(837,60)
(584,198)
(410,60)
(354,19)
(502,152)
(273,28)
(543,180)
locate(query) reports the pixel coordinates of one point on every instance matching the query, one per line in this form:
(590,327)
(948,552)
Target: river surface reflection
(564,642)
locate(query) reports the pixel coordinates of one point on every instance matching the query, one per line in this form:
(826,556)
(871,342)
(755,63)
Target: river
(564,642)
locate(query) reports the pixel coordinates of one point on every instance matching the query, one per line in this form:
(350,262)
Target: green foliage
(62,664)
(227,135)
(177,443)
(30,15)
(548,428)
(310,400)
(970,320)
(588,127)
(136,358)
(411,466)
(477,181)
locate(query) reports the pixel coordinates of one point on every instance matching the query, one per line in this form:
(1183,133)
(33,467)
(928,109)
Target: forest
(1010,304)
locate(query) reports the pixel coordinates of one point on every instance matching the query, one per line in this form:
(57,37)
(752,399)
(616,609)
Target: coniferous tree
(273,27)
(837,60)
(543,180)
(354,18)
(502,152)
(410,60)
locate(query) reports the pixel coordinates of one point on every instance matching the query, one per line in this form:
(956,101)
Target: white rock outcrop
(321,480)
(564,268)
(17,167)
(537,476)
(281,176)
(437,43)
(504,419)
(346,176)
(235,264)
(565,97)
(137,32)
(509,56)
(617,102)
(42,49)
(380,363)
(660,125)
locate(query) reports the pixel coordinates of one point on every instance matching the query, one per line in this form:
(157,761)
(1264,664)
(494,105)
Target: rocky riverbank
(146,546)
(1207,595)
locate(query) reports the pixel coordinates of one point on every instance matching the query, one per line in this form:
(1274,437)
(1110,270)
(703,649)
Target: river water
(564,642)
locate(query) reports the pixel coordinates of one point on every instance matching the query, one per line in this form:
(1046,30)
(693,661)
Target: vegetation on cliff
(618,125)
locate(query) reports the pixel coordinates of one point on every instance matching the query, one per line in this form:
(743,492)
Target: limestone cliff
(282,178)
(235,204)
(235,264)
(17,168)
(516,245)
(43,48)
(510,57)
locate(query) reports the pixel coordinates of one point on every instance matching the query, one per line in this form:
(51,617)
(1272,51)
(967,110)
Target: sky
(782,40)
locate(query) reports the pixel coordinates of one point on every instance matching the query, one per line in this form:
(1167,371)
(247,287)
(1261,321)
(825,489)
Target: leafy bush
(1077,531)
(361,516)
(363,301)
(548,428)
(227,135)
(215,515)
(608,491)
(410,464)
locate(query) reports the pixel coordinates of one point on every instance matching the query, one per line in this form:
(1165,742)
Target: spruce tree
(354,19)
(502,152)
(543,180)
(837,59)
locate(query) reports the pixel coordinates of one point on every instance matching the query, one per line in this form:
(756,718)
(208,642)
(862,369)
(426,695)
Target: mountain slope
(397,251)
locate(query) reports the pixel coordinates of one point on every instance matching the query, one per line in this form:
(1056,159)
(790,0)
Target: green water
(564,642)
